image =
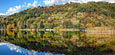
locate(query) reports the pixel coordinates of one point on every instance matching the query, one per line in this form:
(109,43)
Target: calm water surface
(50,42)
(11,49)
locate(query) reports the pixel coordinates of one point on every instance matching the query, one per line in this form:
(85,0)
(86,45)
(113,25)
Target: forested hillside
(70,15)
(73,28)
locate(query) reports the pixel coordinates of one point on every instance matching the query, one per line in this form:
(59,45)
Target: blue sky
(6,4)
(9,7)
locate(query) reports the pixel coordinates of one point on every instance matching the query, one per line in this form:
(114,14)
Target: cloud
(51,2)
(2,14)
(29,4)
(34,4)
(17,8)
(13,10)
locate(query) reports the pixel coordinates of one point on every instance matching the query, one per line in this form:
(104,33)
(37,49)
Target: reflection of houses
(2,40)
(49,29)
(101,31)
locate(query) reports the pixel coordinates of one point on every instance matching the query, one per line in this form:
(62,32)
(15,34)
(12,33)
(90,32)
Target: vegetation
(67,16)
(67,43)
(92,14)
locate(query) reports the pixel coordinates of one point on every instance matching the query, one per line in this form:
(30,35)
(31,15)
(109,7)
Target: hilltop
(98,17)
(70,15)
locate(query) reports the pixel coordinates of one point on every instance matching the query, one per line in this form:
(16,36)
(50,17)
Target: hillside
(70,15)
(78,29)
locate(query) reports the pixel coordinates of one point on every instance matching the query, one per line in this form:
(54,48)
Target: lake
(11,49)
(63,42)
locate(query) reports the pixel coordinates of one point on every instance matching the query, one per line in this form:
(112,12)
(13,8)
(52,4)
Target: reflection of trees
(41,33)
(22,34)
(49,41)
(41,25)
(0,33)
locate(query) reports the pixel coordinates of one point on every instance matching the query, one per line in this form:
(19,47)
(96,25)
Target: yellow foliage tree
(89,25)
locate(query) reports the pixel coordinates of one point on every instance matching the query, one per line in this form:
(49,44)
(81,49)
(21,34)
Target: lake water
(32,40)
(62,42)
(11,49)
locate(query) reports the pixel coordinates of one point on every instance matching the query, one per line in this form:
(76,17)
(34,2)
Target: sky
(9,7)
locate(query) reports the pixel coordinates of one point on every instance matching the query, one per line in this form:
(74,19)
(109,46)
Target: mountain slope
(92,14)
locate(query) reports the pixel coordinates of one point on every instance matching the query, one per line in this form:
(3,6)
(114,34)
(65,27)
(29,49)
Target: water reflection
(42,41)
(63,42)
(12,49)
